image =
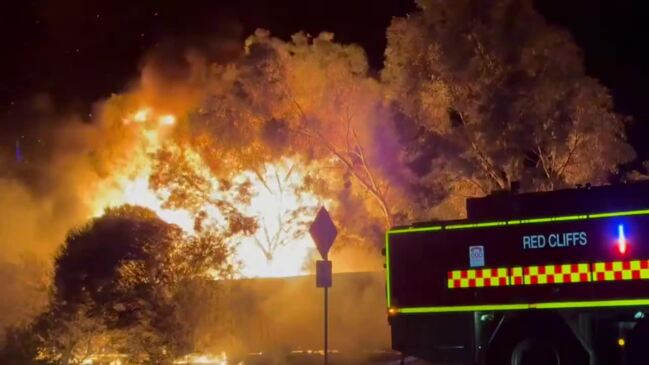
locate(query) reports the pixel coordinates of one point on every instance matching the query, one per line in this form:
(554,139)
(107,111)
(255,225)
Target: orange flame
(272,198)
(167,119)
(142,115)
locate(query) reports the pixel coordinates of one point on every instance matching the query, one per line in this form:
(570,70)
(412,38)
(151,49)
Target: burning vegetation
(213,170)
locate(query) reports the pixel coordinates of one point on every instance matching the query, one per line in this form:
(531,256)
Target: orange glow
(272,251)
(271,201)
(193,359)
(142,115)
(167,119)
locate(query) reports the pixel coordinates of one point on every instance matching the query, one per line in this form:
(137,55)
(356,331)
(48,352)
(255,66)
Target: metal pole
(326,329)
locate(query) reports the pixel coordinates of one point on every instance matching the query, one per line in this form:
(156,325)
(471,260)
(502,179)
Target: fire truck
(557,277)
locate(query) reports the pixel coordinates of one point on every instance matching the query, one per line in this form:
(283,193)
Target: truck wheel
(535,339)
(535,352)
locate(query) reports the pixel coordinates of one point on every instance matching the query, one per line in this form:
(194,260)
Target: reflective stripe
(478,278)
(515,222)
(621,270)
(516,276)
(556,274)
(549,274)
(524,306)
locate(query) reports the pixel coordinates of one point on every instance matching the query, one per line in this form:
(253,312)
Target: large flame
(275,198)
(276,250)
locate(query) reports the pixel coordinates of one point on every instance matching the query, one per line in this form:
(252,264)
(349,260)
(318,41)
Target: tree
(322,92)
(291,212)
(129,239)
(313,101)
(19,347)
(189,185)
(115,287)
(503,97)
(69,334)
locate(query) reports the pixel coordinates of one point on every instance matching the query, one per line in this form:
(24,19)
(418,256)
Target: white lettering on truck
(555,240)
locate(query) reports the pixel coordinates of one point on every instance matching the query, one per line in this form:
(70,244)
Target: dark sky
(78,51)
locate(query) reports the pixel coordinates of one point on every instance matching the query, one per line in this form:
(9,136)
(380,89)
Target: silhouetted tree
(499,95)
(116,285)
(19,347)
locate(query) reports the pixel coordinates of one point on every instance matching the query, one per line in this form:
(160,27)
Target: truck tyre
(532,351)
(536,351)
(535,340)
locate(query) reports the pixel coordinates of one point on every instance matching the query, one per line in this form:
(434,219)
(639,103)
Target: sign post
(323,231)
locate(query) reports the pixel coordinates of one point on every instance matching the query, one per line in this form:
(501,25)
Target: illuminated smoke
(110,161)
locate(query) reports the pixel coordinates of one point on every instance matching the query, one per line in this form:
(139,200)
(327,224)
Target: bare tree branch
(371,188)
(570,155)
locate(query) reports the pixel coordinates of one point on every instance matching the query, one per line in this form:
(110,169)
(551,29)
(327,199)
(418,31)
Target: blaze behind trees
(473,96)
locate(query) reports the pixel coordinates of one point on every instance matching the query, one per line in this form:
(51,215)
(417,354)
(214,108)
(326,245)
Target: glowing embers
(621,270)
(478,278)
(555,274)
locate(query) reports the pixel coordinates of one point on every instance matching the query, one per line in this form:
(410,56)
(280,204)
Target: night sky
(79,51)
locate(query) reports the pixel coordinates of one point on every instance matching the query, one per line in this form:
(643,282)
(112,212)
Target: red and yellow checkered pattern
(621,270)
(549,274)
(516,276)
(478,278)
(556,274)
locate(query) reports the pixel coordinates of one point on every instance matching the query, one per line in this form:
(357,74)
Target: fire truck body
(557,277)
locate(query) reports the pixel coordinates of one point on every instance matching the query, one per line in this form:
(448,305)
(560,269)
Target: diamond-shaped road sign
(323,231)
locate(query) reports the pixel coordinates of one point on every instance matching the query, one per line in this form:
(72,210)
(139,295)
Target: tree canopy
(473,96)
(119,286)
(499,95)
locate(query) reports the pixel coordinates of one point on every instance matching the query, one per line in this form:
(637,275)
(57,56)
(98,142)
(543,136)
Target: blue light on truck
(600,271)
(621,239)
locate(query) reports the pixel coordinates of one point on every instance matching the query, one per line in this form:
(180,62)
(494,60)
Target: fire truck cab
(557,277)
